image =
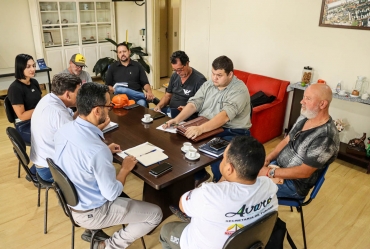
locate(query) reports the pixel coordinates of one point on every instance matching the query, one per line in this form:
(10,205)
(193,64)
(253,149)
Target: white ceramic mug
(187,146)
(364,96)
(342,92)
(147,117)
(192,152)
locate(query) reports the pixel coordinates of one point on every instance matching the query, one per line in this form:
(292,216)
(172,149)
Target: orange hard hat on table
(122,100)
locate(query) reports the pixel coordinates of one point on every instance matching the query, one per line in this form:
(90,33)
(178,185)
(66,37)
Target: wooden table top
(132,132)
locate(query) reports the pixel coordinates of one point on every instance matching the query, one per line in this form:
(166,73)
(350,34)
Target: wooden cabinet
(63,28)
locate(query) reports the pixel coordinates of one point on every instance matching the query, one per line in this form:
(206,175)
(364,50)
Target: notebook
(147,154)
(205,148)
(41,63)
(110,127)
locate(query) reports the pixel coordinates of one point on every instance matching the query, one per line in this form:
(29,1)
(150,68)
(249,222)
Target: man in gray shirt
(225,101)
(76,63)
(184,83)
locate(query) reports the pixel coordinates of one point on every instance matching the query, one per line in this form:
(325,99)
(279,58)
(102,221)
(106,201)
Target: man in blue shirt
(81,153)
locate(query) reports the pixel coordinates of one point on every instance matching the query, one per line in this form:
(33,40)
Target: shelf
(48,11)
(70,44)
(87,10)
(361,161)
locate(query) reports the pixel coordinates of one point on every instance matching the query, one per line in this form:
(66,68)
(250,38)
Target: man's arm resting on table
(165,100)
(217,121)
(188,110)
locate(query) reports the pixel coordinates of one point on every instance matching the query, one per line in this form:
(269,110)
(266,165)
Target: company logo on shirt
(244,210)
(233,228)
(186,92)
(32,90)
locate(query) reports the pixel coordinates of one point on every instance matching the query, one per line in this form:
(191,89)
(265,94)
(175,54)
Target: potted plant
(101,66)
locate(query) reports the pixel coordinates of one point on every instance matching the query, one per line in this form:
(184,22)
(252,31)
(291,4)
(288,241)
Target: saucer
(143,120)
(354,96)
(183,149)
(342,94)
(197,155)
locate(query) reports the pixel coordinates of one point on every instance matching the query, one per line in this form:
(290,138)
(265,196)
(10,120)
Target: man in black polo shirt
(131,75)
(184,83)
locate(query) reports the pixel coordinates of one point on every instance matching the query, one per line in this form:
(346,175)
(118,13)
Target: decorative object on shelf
(83,38)
(48,21)
(357,146)
(48,38)
(306,76)
(339,87)
(101,66)
(349,14)
(65,21)
(48,7)
(339,124)
(86,6)
(66,41)
(361,85)
(92,38)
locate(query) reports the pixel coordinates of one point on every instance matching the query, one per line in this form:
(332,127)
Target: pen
(148,152)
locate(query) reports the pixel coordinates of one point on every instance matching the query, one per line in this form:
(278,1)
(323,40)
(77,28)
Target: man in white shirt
(219,209)
(49,115)
(76,64)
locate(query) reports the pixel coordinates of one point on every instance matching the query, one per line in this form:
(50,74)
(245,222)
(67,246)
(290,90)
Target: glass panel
(68,12)
(88,33)
(104,31)
(49,12)
(51,36)
(87,12)
(103,11)
(70,35)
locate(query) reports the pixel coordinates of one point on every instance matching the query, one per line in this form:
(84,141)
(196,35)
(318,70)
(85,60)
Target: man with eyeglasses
(184,83)
(52,112)
(312,143)
(130,77)
(225,101)
(76,64)
(81,153)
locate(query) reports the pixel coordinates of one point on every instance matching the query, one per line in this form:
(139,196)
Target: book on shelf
(206,148)
(110,127)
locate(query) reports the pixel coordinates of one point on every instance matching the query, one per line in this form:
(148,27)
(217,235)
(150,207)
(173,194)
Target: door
(163,37)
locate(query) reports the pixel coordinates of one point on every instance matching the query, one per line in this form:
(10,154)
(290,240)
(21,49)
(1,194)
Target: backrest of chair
(67,189)
(10,114)
(255,235)
(19,147)
(319,182)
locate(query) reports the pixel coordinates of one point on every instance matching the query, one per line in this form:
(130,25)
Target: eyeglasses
(79,66)
(178,69)
(110,106)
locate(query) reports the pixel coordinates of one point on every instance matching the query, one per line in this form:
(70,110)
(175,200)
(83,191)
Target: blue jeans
(24,129)
(45,174)
(228,135)
(139,97)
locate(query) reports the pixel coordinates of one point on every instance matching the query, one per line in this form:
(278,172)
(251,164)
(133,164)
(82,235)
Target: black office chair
(47,186)
(10,114)
(253,236)
(67,195)
(300,203)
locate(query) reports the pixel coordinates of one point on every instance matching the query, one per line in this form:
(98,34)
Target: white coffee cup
(186,146)
(192,152)
(364,96)
(147,117)
(342,92)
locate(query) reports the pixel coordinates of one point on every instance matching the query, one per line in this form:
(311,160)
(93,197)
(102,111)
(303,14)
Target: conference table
(166,189)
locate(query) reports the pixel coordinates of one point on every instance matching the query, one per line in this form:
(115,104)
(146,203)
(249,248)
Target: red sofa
(267,119)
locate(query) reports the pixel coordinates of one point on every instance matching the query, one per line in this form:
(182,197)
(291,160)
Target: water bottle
(339,87)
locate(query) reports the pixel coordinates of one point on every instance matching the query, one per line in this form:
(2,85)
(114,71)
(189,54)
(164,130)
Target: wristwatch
(272,172)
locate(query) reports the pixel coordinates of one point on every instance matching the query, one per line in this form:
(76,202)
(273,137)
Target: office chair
(299,203)
(10,114)
(47,185)
(253,236)
(67,195)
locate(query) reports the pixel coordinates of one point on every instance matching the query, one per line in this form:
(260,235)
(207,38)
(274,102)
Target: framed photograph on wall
(348,14)
(48,38)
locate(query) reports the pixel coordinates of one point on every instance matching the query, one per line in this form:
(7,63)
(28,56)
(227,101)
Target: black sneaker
(86,236)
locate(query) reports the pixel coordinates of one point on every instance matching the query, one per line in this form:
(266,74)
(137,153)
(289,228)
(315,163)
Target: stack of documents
(110,127)
(146,153)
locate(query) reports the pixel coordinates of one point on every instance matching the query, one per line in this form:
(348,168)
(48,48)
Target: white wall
(277,39)
(16,31)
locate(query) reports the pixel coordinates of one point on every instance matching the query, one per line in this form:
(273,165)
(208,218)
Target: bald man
(312,143)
